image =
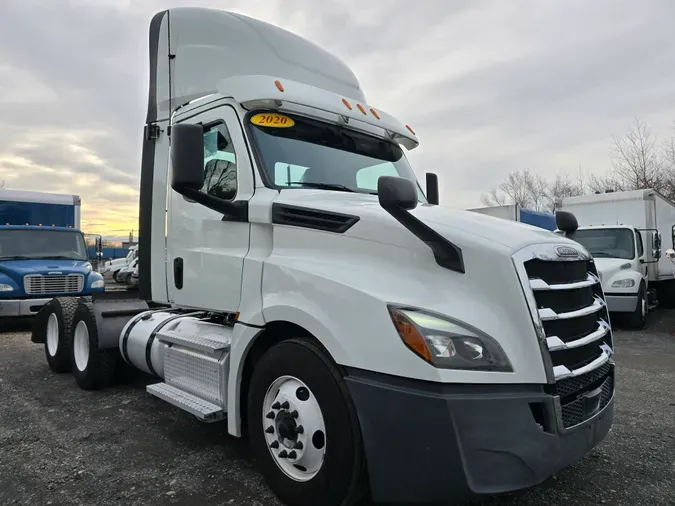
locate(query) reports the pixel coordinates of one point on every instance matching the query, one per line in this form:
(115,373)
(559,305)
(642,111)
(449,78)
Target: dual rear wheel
(71,343)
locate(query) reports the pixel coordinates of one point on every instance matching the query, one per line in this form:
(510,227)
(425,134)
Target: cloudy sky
(489,86)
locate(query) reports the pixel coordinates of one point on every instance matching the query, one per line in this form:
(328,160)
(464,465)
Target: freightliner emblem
(566,251)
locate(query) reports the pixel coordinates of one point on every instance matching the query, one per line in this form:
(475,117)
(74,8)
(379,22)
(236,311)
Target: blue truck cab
(43,254)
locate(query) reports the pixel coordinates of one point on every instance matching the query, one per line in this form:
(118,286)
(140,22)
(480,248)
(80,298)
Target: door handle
(178,272)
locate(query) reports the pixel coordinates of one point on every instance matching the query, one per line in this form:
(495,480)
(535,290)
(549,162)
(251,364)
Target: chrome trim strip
(562,372)
(555,343)
(541,285)
(547,314)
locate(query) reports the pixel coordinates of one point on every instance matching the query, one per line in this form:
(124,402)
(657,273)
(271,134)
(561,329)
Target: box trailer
(624,231)
(514,212)
(365,339)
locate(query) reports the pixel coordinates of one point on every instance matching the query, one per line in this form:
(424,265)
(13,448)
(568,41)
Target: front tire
(303,427)
(57,320)
(638,318)
(93,367)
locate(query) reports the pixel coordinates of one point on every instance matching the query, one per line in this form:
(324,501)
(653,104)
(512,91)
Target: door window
(640,246)
(220,162)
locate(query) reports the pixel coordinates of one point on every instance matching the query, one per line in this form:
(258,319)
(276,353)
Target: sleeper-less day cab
(297,281)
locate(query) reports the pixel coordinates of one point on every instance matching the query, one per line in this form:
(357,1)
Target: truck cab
(622,259)
(38,263)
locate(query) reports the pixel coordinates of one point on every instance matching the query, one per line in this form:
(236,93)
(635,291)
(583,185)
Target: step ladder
(196,358)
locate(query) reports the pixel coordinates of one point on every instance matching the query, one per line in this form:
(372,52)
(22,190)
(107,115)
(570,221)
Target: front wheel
(303,427)
(638,318)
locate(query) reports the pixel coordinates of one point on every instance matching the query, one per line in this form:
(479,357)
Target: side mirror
(187,157)
(566,222)
(657,240)
(432,188)
(396,193)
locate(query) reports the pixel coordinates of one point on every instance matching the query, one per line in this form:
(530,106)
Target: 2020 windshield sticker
(272,120)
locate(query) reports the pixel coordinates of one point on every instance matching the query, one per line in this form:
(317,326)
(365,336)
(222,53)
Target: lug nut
(294,414)
(276,405)
(285,405)
(270,430)
(283,454)
(292,455)
(274,445)
(300,429)
(298,445)
(271,415)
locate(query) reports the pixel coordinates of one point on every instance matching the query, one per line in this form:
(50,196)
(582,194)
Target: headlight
(623,283)
(99,283)
(448,344)
(6,288)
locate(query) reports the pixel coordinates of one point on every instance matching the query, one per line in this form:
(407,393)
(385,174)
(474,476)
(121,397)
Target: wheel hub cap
(294,428)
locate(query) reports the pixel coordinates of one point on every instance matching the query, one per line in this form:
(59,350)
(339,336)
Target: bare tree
(636,161)
(493,198)
(520,187)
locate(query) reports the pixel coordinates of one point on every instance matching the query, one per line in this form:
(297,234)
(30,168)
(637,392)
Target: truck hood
(17,269)
(608,267)
(462,227)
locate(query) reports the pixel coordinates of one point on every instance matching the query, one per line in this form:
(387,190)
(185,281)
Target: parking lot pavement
(60,445)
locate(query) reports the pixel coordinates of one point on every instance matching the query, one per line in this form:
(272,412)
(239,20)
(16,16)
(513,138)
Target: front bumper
(21,307)
(428,443)
(620,303)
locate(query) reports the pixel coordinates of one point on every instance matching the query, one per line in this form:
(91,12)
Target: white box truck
(296,281)
(623,231)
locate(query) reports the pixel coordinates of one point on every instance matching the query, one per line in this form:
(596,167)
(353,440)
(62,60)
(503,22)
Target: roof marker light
(361,108)
(374,113)
(279,86)
(411,130)
(347,104)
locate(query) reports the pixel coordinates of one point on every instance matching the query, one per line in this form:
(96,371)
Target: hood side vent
(317,219)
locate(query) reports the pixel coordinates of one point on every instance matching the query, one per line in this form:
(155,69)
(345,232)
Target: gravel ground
(60,445)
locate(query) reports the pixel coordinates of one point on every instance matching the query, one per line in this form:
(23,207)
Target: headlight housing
(99,283)
(446,343)
(624,283)
(6,288)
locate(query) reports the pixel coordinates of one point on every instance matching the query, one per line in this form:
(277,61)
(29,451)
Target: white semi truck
(296,281)
(623,231)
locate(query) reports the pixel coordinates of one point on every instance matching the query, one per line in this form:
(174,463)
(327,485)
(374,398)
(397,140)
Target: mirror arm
(447,254)
(237,211)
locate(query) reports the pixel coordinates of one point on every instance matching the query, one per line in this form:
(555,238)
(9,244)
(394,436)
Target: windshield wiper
(327,186)
(61,257)
(17,257)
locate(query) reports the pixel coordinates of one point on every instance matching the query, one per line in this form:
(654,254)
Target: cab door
(205,249)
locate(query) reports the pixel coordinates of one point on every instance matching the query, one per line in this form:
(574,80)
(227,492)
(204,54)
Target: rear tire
(57,320)
(337,473)
(93,367)
(114,276)
(638,318)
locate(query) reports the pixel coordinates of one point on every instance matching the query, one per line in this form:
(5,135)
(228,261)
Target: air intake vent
(283,214)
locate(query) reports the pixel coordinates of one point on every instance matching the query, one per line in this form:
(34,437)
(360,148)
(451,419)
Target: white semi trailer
(297,281)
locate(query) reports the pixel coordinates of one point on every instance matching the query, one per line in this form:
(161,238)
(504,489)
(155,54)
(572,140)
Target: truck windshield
(607,242)
(27,244)
(315,154)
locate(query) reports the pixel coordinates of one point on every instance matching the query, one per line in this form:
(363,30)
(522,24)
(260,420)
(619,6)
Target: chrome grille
(571,317)
(39,284)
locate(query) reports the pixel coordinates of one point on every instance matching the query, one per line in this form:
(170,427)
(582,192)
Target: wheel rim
(81,345)
(52,334)
(644,308)
(294,428)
